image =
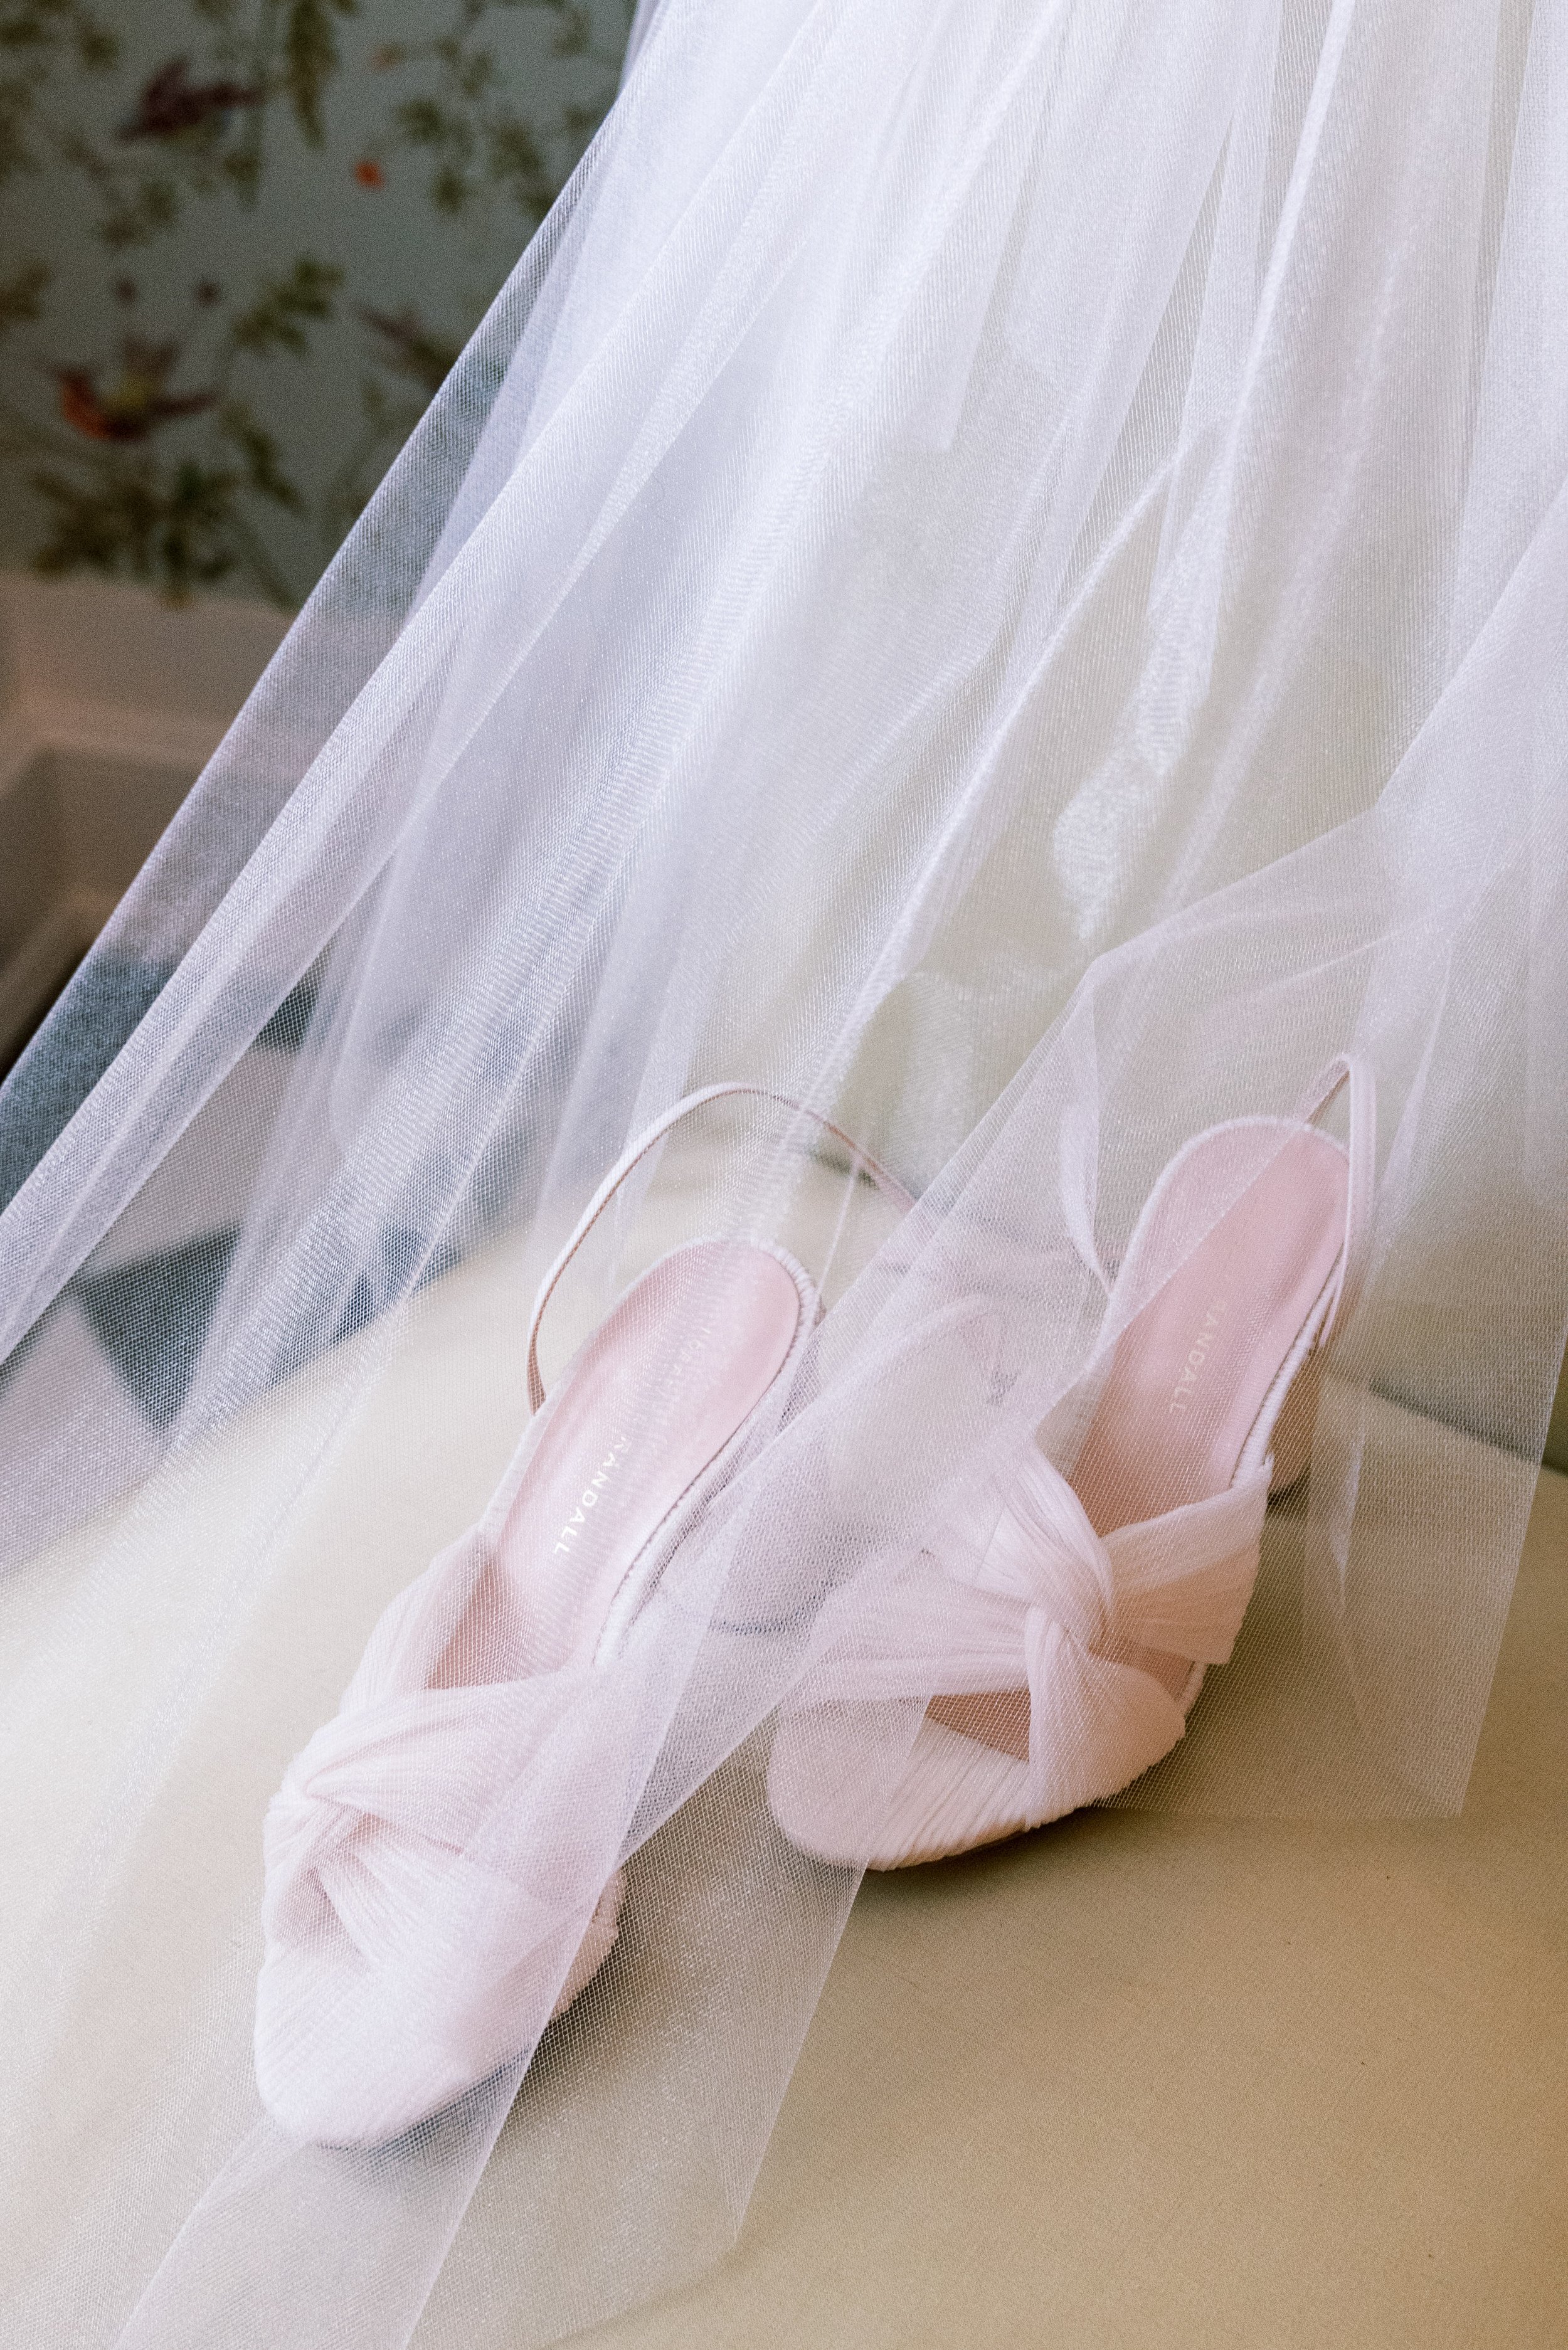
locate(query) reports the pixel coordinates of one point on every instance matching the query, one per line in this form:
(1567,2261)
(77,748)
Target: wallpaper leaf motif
(310,50)
(212,400)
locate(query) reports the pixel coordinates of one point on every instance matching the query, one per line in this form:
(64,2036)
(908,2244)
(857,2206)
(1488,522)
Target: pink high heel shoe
(399,1970)
(1067,1664)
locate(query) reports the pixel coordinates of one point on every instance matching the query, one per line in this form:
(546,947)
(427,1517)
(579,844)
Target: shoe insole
(1193,1370)
(648,1404)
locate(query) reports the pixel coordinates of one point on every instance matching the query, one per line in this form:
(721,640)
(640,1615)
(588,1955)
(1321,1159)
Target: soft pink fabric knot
(387,1796)
(436,1880)
(1045,1553)
(1066,1613)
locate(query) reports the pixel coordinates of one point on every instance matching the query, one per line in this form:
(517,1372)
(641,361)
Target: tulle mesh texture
(1000,568)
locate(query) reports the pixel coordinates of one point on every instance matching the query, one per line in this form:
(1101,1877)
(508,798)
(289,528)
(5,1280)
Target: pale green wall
(223,234)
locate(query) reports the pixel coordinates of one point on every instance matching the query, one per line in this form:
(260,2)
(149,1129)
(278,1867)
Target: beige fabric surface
(1139,2079)
(1154,2083)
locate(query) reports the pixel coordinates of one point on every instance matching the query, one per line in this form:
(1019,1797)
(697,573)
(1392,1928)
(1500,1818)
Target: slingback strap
(888,1185)
(1345,1071)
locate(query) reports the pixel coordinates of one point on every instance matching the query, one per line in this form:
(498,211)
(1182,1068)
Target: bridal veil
(1001,568)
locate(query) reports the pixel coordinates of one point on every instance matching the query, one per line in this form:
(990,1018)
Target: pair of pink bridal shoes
(1066,1663)
(410,1948)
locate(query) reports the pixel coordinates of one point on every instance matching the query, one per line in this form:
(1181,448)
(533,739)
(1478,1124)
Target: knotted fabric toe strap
(1056,1608)
(1179,1582)
(376,1815)
(888,1185)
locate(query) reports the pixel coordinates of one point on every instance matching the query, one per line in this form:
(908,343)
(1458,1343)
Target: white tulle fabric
(1000,571)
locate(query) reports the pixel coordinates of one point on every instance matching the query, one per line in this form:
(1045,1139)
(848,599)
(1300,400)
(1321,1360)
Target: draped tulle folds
(998,569)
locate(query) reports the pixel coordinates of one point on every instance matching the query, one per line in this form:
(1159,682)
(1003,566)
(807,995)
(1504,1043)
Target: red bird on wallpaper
(136,403)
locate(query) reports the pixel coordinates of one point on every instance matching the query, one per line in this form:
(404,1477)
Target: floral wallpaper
(241,243)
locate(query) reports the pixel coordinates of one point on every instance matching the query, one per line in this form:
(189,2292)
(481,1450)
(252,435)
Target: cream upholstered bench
(1144,2082)
(1142,2079)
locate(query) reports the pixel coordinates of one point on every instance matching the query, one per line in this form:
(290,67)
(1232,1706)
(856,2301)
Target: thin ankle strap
(1343,1071)
(887,1185)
